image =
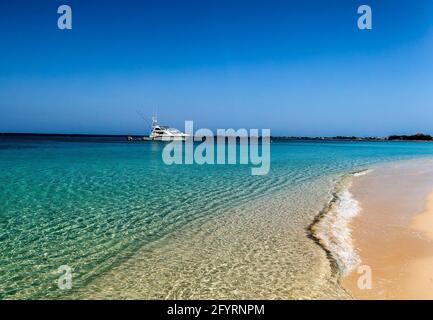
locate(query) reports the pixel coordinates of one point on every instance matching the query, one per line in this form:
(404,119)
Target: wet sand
(393,233)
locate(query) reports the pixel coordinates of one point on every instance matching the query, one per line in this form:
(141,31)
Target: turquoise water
(98,206)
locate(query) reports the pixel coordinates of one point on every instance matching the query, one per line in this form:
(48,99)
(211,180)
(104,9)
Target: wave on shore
(332,229)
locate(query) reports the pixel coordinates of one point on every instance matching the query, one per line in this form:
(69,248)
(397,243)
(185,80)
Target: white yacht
(165,133)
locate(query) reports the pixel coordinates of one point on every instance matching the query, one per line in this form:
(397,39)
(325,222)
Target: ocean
(129,226)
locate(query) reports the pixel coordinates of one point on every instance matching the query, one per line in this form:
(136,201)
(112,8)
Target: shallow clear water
(131,226)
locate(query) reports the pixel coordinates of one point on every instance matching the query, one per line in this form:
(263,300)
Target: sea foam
(333,229)
(362,173)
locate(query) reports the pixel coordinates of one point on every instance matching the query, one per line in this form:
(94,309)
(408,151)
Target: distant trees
(414,137)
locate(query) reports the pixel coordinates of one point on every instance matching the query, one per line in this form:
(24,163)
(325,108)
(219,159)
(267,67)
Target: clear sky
(297,67)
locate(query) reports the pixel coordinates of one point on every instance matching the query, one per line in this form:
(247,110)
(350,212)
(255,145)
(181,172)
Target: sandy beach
(393,232)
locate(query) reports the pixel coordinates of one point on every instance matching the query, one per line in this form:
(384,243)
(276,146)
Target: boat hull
(166,138)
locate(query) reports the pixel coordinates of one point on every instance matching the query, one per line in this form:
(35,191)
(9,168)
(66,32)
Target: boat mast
(154,118)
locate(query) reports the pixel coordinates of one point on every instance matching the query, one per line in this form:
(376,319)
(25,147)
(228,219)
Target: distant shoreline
(121,137)
(8,134)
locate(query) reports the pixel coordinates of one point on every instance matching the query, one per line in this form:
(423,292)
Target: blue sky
(297,67)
